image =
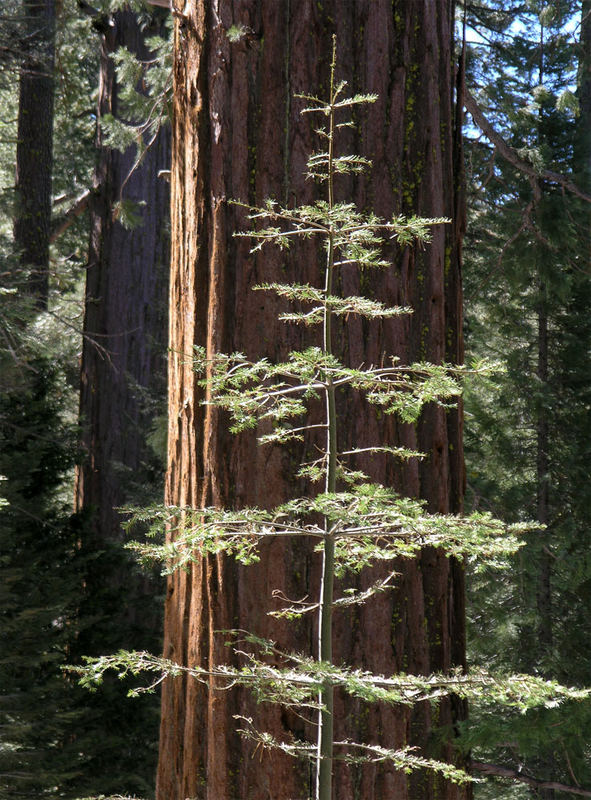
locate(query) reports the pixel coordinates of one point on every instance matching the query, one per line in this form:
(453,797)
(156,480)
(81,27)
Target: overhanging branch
(65,220)
(512,774)
(510,155)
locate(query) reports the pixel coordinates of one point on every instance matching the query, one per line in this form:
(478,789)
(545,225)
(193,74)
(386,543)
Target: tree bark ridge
(237,133)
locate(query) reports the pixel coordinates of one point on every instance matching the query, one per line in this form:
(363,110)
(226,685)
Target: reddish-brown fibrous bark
(238,133)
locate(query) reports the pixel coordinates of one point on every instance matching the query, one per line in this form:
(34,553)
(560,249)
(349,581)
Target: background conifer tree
(61,582)
(526,278)
(122,387)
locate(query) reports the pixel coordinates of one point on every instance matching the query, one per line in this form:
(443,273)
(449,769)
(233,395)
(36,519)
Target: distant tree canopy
(527,282)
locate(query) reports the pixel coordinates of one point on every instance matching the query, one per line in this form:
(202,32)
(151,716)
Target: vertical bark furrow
(235,146)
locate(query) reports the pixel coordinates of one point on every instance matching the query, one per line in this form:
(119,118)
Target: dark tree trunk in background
(34,150)
(238,133)
(123,387)
(544,588)
(124,353)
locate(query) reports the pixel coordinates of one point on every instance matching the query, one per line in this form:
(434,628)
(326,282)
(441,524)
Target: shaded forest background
(85,99)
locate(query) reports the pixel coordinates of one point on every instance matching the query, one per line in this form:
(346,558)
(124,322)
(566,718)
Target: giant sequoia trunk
(238,133)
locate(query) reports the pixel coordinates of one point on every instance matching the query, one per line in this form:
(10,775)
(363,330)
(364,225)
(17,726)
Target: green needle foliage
(42,719)
(353,522)
(527,292)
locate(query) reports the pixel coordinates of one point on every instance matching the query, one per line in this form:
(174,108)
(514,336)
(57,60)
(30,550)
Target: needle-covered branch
(405,759)
(340,306)
(293,680)
(254,391)
(357,236)
(369,523)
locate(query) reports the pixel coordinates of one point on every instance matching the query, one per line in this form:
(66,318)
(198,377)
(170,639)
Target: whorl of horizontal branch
(510,155)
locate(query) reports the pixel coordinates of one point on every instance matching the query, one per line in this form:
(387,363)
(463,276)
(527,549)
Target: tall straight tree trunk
(123,387)
(34,150)
(544,595)
(123,358)
(238,133)
(544,589)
